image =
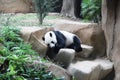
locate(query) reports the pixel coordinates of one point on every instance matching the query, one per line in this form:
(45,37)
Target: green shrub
(91,10)
(16,57)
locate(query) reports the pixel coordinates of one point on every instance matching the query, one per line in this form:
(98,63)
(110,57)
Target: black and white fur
(55,40)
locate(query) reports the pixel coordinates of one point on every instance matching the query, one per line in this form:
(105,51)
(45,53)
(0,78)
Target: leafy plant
(91,10)
(43,7)
(16,57)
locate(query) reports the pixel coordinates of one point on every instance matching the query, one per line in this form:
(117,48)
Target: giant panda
(56,40)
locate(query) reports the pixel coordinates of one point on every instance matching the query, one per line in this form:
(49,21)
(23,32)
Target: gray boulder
(91,70)
(65,57)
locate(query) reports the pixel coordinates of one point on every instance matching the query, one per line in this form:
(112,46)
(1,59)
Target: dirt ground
(31,20)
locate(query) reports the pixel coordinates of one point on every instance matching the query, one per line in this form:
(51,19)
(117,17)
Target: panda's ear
(50,34)
(43,38)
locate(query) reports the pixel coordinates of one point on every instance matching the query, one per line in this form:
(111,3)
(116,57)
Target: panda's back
(69,37)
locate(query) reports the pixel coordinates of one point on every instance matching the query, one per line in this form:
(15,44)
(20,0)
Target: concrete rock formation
(34,35)
(65,57)
(58,71)
(15,6)
(111,27)
(93,39)
(91,70)
(90,34)
(86,52)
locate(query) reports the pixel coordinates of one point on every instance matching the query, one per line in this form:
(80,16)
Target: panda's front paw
(57,45)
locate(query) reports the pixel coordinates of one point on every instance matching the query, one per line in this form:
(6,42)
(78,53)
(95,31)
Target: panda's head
(50,39)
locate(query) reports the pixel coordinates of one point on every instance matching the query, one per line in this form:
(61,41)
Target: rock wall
(97,69)
(16,6)
(111,27)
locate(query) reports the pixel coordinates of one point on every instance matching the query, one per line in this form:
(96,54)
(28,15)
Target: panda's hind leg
(77,44)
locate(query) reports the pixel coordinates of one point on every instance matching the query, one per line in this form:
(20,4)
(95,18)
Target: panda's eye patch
(50,34)
(43,38)
(52,42)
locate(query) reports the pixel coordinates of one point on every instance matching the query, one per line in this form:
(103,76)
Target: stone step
(90,70)
(87,50)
